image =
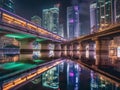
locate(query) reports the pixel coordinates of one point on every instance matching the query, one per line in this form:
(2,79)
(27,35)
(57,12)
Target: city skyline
(28,9)
(31,44)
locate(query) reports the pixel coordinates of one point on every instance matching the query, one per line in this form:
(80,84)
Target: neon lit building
(50,78)
(61,30)
(8,5)
(106,12)
(93,17)
(36,20)
(117,11)
(50,19)
(73,22)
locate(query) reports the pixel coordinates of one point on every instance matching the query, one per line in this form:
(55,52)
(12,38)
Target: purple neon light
(76,8)
(71,20)
(71,74)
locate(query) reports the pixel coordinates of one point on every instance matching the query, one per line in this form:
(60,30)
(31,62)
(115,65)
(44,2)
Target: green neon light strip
(19,36)
(40,40)
(39,61)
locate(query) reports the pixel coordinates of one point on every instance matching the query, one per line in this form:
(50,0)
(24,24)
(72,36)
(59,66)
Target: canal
(68,75)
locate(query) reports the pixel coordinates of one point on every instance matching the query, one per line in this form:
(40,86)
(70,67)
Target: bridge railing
(12,19)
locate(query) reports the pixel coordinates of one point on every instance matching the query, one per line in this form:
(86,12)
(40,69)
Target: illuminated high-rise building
(50,19)
(36,19)
(106,12)
(117,11)
(8,5)
(93,17)
(61,30)
(73,22)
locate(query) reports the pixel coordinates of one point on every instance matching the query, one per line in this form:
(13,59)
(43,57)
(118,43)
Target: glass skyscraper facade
(93,16)
(73,29)
(50,19)
(104,13)
(8,5)
(36,19)
(117,11)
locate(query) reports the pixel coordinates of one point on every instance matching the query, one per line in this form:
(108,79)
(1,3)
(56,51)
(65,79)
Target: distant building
(73,25)
(105,13)
(117,11)
(50,19)
(61,30)
(36,20)
(93,17)
(7,5)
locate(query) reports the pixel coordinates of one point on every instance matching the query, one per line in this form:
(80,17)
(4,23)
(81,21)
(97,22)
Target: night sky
(29,8)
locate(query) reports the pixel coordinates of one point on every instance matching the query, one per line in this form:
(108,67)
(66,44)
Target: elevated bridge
(15,26)
(103,47)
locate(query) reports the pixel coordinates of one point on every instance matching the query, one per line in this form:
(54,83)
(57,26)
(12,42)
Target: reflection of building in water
(36,80)
(99,82)
(50,78)
(51,50)
(36,45)
(51,53)
(36,55)
(51,46)
(73,76)
(87,51)
(8,58)
(114,53)
(61,67)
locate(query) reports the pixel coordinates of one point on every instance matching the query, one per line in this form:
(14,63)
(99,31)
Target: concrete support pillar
(81,49)
(70,47)
(57,47)
(97,61)
(70,50)
(92,51)
(105,52)
(26,45)
(76,50)
(63,47)
(63,50)
(47,49)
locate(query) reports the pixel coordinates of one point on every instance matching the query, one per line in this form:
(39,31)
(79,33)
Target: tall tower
(73,25)
(8,5)
(51,19)
(105,13)
(117,11)
(93,17)
(73,22)
(36,19)
(45,19)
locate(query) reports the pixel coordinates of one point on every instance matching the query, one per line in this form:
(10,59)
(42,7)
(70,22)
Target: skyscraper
(8,5)
(93,17)
(73,22)
(50,19)
(105,13)
(36,20)
(61,30)
(117,11)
